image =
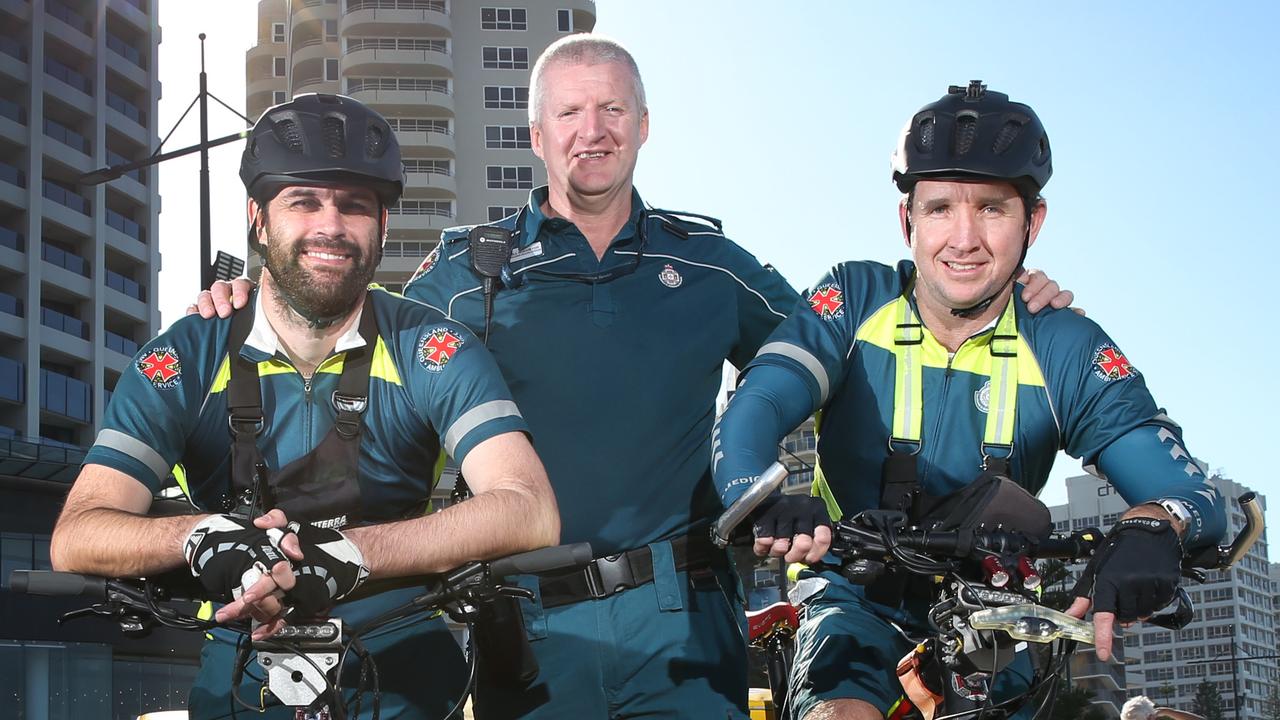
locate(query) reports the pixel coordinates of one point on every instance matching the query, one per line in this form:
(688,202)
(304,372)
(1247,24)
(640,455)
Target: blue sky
(779,117)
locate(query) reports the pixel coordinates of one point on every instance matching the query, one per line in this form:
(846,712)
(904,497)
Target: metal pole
(206,262)
(1235,677)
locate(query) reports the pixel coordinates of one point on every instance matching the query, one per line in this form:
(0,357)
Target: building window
(277,67)
(506,97)
(497,212)
(277,32)
(564,20)
(514,137)
(509,177)
(506,58)
(278,97)
(330,69)
(330,30)
(503,19)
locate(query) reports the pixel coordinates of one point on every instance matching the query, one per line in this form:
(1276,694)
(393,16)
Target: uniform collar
(535,218)
(263,338)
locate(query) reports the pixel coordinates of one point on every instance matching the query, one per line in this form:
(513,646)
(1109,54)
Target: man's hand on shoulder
(222,298)
(1041,291)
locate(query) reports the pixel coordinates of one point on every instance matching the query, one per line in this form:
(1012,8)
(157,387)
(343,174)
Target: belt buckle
(608,575)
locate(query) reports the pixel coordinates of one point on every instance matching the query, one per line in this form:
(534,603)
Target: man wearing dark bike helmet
(304,429)
(932,374)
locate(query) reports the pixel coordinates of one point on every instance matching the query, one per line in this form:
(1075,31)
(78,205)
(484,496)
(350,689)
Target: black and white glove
(1136,571)
(785,516)
(228,554)
(330,569)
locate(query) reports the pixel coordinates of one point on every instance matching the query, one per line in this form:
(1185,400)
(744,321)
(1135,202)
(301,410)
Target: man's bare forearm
(104,529)
(114,543)
(499,522)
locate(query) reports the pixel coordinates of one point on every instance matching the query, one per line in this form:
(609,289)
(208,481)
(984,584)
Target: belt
(612,574)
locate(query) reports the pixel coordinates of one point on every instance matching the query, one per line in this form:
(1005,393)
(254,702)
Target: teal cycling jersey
(1075,391)
(616,361)
(431,385)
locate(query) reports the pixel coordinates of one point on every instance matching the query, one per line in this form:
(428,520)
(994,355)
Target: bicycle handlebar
(768,481)
(58,584)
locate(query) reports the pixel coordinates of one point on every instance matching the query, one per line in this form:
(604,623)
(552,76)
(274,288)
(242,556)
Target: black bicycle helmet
(318,139)
(974,133)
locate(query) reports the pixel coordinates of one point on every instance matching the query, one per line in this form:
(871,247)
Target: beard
(323,294)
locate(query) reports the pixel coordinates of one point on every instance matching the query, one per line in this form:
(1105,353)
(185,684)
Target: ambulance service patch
(670,277)
(827,301)
(1111,364)
(438,347)
(161,367)
(427,263)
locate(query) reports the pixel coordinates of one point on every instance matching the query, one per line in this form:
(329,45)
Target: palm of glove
(1135,572)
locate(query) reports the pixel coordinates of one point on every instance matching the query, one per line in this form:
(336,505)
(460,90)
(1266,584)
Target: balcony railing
(12,239)
(124,49)
(65,135)
(67,75)
(13,380)
(68,16)
(358,5)
(427,125)
(13,48)
(422,207)
(65,395)
(63,196)
(429,85)
(120,344)
(125,107)
(13,111)
(420,44)
(63,259)
(116,281)
(125,225)
(12,175)
(11,305)
(51,318)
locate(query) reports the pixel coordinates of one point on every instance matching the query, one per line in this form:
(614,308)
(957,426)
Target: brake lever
(100,609)
(1176,615)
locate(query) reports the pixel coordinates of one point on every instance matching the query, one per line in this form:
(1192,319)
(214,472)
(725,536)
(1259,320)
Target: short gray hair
(582,49)
(1138,708)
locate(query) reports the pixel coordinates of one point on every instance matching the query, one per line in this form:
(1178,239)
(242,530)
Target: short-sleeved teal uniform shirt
(616,362)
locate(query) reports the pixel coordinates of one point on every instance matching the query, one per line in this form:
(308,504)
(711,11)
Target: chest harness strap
(322,486)
(899,475)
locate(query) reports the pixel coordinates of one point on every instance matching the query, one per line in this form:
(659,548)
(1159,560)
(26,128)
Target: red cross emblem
(428,263)
(1111,364)
(438,347)
(161,366)
(827,301)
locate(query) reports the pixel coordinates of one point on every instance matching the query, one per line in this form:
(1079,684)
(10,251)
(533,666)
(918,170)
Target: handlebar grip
(769,481)
(63,584)
(1079,544)
(557,557)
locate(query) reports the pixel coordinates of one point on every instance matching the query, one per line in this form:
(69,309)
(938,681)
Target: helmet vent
(375,142)
(1006,136)
(966,132)
(288,133)
(924,134)
(332,129)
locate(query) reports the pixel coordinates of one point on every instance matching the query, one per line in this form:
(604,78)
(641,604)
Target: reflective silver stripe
(475,417)
(805,358)
(135,449)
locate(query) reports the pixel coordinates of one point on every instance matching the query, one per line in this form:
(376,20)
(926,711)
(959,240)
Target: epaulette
(453,234)
(685,224)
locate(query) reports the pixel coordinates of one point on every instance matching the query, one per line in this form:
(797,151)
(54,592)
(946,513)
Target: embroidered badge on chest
(982,397)
(1111,364)
(669,277)
(438,347)
(827,301)
(161,367)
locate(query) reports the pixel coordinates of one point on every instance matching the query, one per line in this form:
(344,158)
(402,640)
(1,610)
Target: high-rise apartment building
(452,78)
(78,263)
(1231,608)
(78,271)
